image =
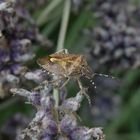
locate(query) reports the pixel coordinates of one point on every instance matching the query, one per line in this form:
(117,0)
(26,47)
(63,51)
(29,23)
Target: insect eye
(83,65)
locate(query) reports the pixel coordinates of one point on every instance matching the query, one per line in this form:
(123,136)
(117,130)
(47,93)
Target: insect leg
(65,83)
(83,89)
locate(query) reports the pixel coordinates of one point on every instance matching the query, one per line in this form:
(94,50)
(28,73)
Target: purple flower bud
(47,103)
(80,133)
(36,76)
(73,103)
(16,69)
(68,123)
(39,116)
(34,98)
(46,136)
(49,126)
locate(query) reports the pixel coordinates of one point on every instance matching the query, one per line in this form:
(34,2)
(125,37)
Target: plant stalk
(64,24)
(47,11)
(61,38)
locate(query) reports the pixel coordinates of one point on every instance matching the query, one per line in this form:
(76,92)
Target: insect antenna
(101,75)
(104,75)
(84,91)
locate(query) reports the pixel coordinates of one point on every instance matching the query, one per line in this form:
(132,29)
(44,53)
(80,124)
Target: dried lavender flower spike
(51,122)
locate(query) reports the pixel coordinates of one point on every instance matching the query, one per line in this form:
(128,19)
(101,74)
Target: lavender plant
(115,40)
(18,33)
(56,116)
(56,122)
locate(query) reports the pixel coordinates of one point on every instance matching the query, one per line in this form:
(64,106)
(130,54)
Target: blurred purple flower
(115,40)
(18,32)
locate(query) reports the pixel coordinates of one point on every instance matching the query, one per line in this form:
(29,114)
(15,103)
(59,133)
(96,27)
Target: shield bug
(67,66)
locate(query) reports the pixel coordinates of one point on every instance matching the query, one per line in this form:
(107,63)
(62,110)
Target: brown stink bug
(67,66)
